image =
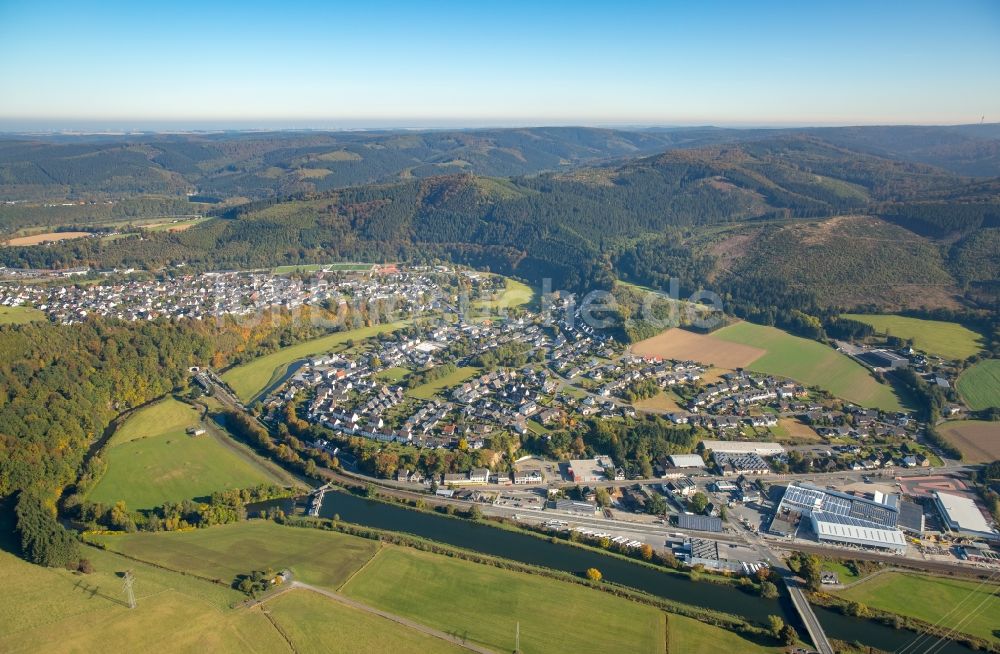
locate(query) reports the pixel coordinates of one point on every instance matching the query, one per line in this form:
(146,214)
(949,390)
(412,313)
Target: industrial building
(699,522)
(744,447)
(962,515)
(846,519)
(686,461)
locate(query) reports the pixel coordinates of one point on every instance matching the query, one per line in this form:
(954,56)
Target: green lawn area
(55,610)
(393,375)
(515,294)
(19,315)
(689,636)
(321,558)
(930,598)
(431,388)
(949,340)
(979,385)
(811,363)
(251,378)
(179,225)
(151,460)
(554,616)
(319,624)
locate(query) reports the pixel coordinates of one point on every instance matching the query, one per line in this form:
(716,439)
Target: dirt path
(346,601)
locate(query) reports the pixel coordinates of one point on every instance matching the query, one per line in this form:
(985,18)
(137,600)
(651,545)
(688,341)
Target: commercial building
(845,519)
(686,461)
(699,522)
(744,447)
(961,514)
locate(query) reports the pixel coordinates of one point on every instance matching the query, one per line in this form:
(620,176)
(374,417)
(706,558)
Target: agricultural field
(47,237)
(689,636)
(948,340)
(454,595)
(971,606)
(249,379)
(977,440)
(681,344)
(979,385)
(432,388)
(151,460)
(321,625)
(810,363)
(20,315)
(177,225)
(316,557)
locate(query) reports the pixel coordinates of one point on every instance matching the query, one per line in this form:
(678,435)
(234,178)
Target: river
(537,551)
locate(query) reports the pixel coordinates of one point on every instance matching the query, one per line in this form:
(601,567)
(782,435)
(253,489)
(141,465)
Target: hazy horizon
(396,65)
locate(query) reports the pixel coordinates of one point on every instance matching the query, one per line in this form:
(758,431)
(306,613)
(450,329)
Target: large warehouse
(841,518)
(961,514)
(744,447)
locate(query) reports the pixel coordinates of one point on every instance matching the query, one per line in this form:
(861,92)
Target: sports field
(949,340)
(554,616)
(151,460)
(432,388)
(811,363)
(321,558)
(689,636)
(322,625)
(977,440)
(979,385)
(682,345)
(19,315)
(251,378)
(968,606)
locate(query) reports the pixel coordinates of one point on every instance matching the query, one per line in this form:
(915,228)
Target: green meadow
(151,460)
(948,340)
(811,363)
(979,385)
(20,315)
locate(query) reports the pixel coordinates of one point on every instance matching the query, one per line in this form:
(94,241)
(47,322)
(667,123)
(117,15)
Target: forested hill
(257,165)
(646,220)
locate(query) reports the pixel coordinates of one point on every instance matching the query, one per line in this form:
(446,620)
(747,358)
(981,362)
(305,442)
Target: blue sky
(350,64)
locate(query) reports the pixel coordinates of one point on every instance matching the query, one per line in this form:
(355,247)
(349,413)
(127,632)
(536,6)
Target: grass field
(19,315)
(949,340)
(47,237)
(515,294)
(321,625)
(432,388)
(178,226)
(811,363)
(681,344)
(966,605)
(315,557)
(979,385)
(453,596)
(54,610)
(151,460)
(689,636)
(790,430)
(978,440)
(393,375)
(251,378)
(662,401)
